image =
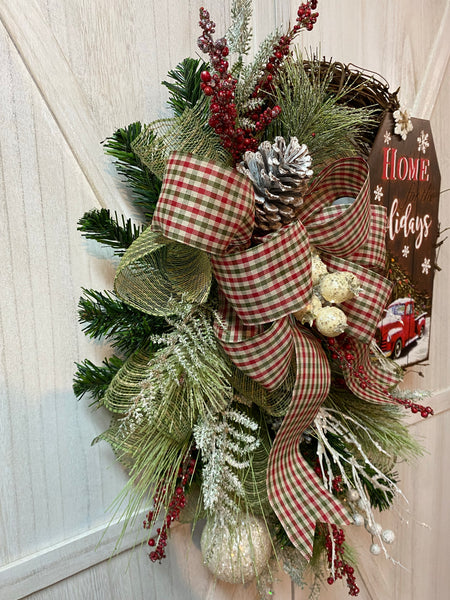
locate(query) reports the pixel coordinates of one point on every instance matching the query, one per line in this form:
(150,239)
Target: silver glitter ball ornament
(375,549)
(236,553)
(388,536)
(358,519)
(374,528)
(352,495)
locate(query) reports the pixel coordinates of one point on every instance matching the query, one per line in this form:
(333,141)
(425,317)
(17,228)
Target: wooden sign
(405,178)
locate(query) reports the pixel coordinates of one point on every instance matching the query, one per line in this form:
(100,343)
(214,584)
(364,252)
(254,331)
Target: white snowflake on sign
(405,251)
(426,266)
(387,138)
(378,193)
(423,142)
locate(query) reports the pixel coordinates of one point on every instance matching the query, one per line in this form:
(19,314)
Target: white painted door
(71,72)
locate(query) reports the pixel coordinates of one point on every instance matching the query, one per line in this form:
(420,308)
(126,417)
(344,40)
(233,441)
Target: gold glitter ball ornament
(338,287)
(236,553)
(310,312)
(331,321)
(318,269)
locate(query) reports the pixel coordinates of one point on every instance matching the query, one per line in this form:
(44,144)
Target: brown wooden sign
(405,178)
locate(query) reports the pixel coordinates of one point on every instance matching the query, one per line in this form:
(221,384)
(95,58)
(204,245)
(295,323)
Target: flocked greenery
(239,33)
(227,441)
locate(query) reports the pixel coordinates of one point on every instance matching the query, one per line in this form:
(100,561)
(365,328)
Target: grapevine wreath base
(246,387)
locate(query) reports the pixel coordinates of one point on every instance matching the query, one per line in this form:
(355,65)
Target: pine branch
(99,225)
(144,184)
(239,33)
(94,380)
(250,74)
(186,91)
(104,315)
(316,117)
(189,374)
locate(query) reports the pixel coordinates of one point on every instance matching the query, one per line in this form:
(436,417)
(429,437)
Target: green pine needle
(104,315)
(99,225)
(186,91)
(384,421)
(153,461)
(94,380)
(315,117)
(145,186)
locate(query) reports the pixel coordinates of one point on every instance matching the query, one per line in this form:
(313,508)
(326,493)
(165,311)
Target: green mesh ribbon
(126,384)
(155,271)
(274,403)
(255,486)
(186,134)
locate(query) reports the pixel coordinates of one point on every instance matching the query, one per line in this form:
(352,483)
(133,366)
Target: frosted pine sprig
(240,32)
(252,73)
(226,443)
(188,374)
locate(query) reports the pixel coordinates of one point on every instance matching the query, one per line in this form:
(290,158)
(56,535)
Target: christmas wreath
(246,388)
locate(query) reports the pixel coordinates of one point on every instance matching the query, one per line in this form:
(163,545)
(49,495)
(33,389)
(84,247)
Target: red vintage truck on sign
(400,327)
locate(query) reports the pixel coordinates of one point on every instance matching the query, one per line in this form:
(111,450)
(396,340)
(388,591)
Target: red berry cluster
(425,411)
(176,504)
(343,354)
(220,86)
(306,18)
(264,116)
(336,482)
(341,568)
(345,357)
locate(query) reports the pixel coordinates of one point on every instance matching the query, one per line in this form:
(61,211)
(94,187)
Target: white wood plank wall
(71,72)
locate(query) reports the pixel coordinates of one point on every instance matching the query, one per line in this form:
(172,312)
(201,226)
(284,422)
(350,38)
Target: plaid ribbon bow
(210,209)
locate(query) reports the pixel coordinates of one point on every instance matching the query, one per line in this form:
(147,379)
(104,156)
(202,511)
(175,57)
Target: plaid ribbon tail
(265,355)
(296,494)
(380,376)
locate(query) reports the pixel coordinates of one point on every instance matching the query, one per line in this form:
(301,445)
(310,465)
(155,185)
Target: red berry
(205,76)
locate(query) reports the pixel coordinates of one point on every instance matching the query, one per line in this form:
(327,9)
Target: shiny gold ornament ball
(331,321)
(336,288)
(236,553)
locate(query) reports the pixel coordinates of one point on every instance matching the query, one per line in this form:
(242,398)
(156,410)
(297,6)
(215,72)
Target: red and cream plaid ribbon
(211,208)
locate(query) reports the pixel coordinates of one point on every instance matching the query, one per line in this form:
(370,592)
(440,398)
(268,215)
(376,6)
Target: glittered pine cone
(280,175)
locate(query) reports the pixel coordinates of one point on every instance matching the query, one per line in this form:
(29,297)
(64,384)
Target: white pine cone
(279,174)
